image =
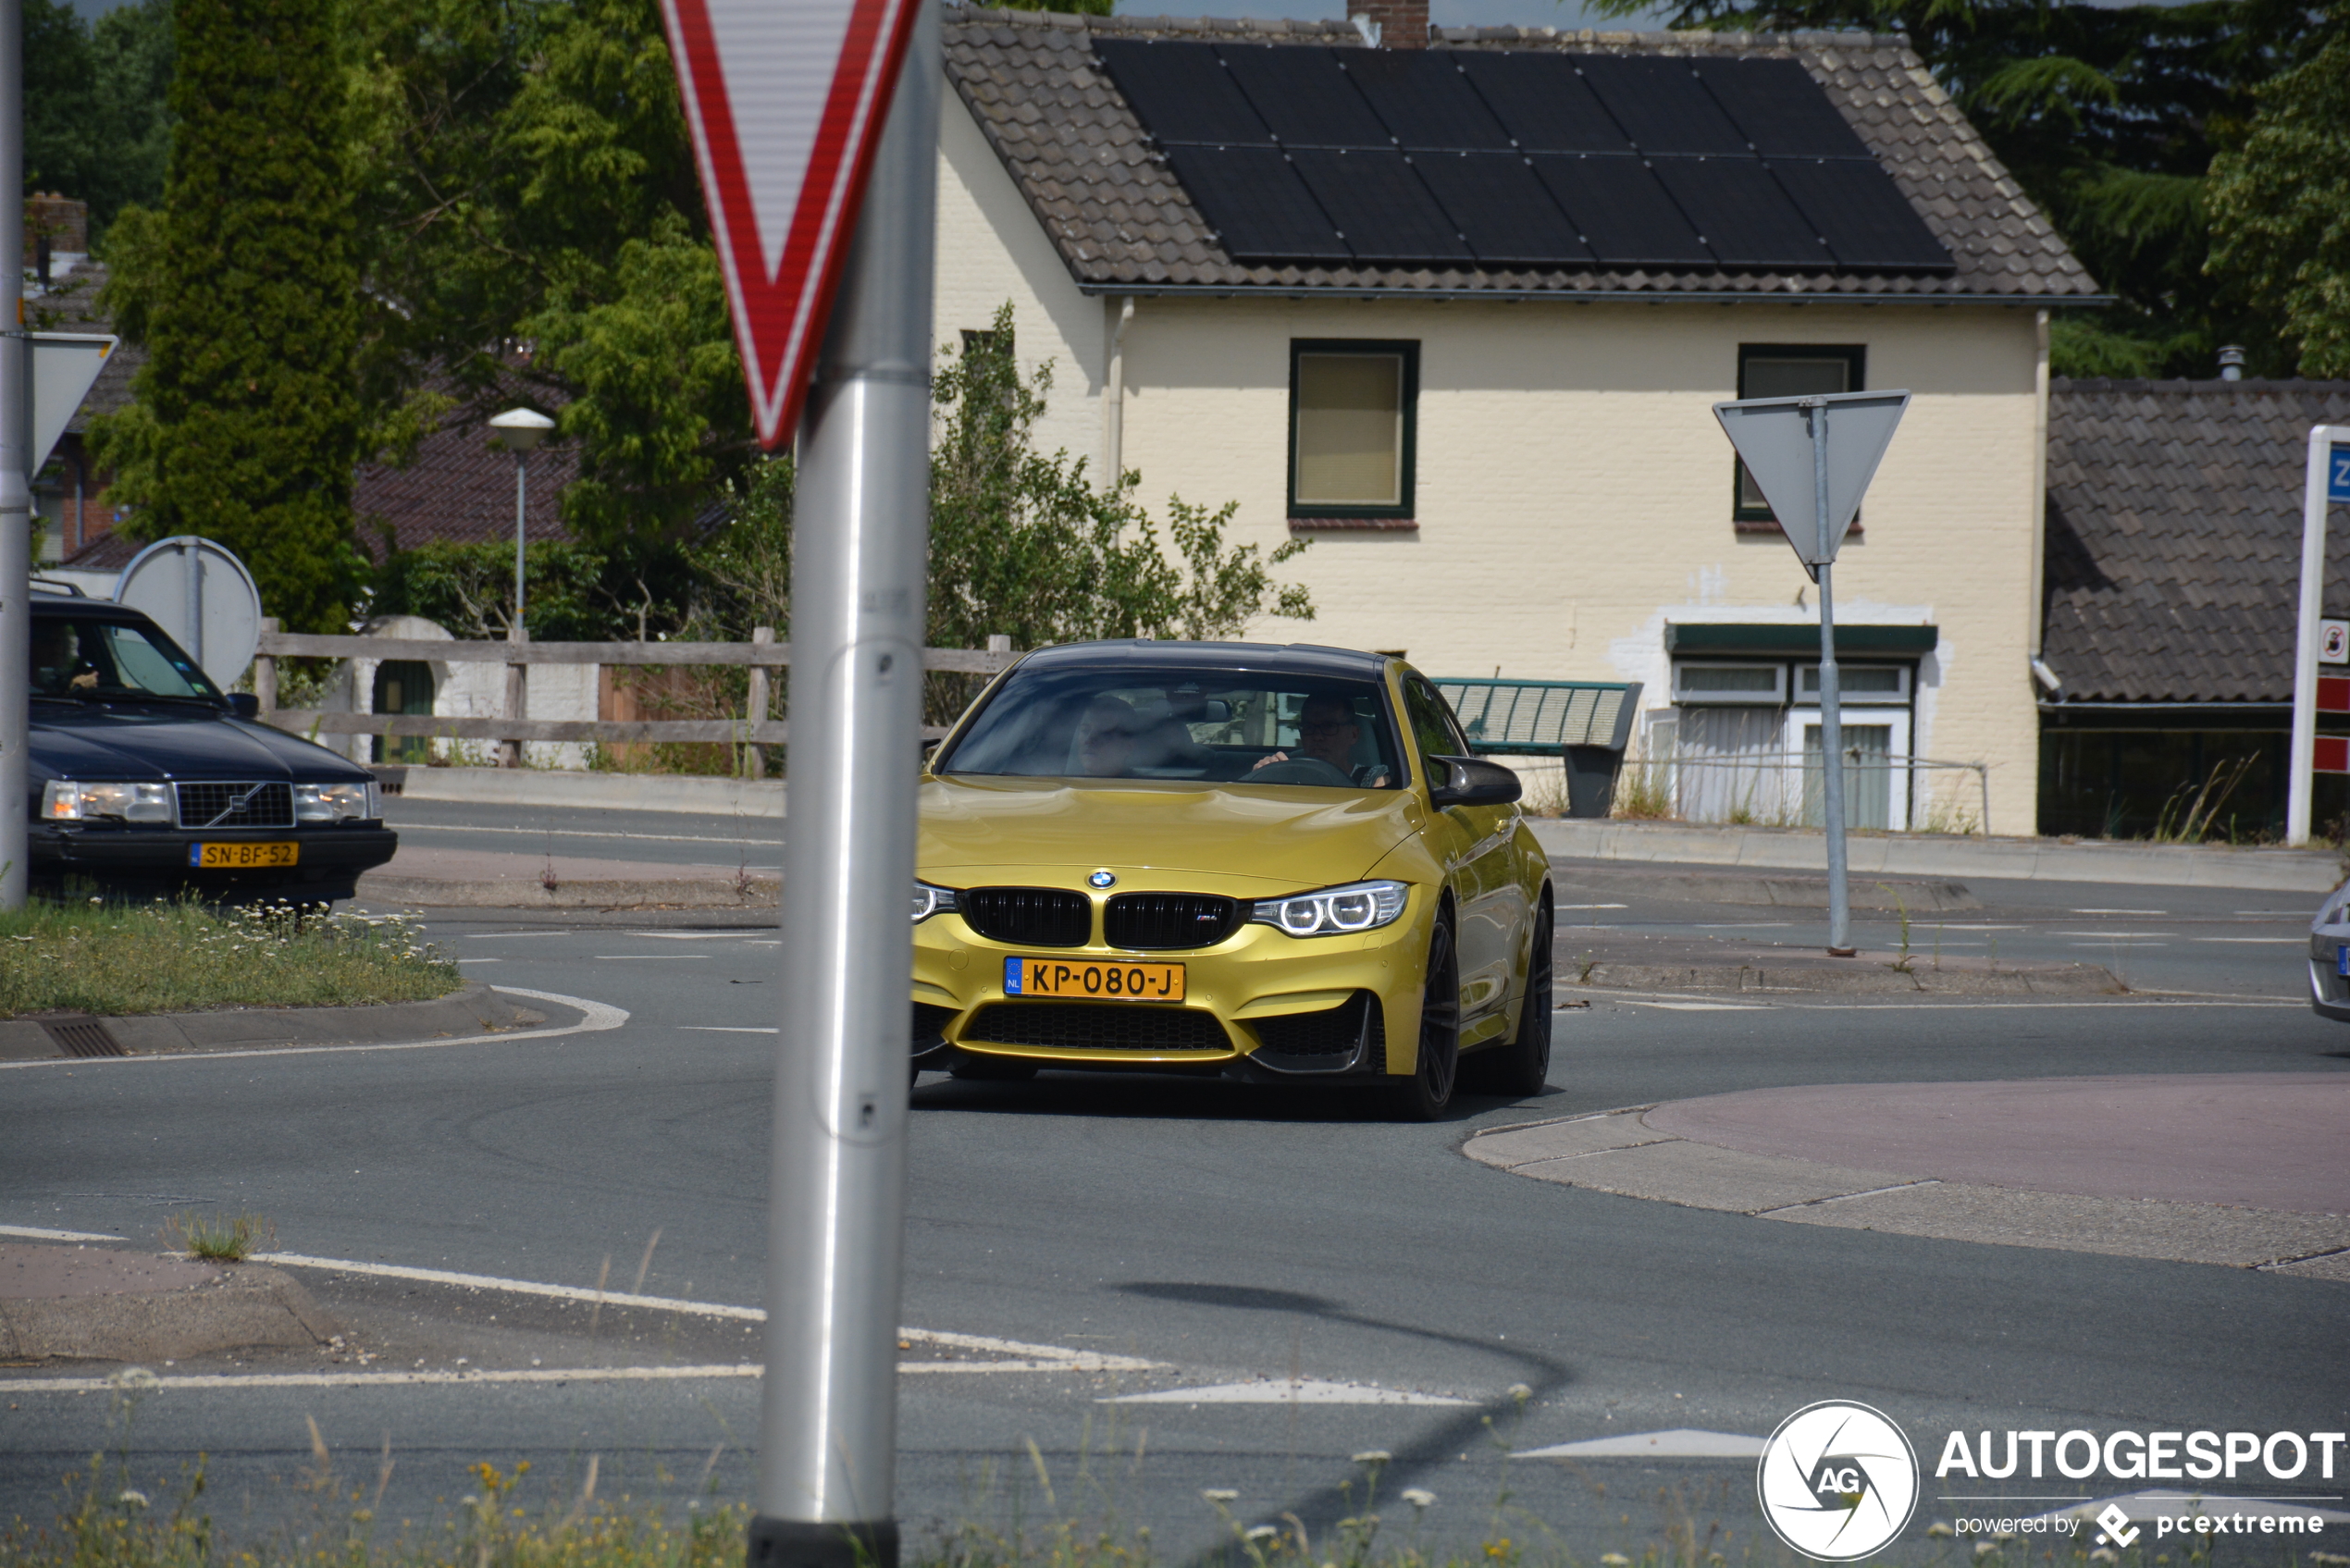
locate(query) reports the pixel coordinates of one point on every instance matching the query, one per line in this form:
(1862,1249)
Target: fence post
(760,706)
(517,698)
(999,642)
(264,674)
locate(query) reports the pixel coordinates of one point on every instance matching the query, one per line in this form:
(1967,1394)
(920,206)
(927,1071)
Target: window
(1351,416)
(1789,370)
(1858,682)
(1748,683)
(1437,732)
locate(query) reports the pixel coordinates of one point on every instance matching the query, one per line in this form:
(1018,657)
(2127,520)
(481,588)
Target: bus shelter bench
(1586,723)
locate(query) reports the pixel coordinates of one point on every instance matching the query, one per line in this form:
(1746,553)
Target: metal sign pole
(16,489)
(826,1483)
(1831,718)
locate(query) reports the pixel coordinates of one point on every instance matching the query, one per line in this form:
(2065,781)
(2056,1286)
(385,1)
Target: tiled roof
(73,307)
(1119,219)
(459,489)
(2174,536)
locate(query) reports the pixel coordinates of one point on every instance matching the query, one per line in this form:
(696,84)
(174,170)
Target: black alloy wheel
(1523,1067)
(1425,1095)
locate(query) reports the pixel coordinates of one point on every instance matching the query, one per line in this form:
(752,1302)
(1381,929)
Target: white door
(1876,778)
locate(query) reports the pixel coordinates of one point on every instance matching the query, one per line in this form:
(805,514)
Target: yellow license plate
(243,856)
(1092,980)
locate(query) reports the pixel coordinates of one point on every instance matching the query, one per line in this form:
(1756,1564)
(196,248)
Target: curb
(473,1008)
(244,1306)
(1921,854)
(670,893)
(610,792)
(1793,891)
(1867,976)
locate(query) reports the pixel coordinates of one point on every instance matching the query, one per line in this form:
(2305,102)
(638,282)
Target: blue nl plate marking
(1011,975)
(2342,960)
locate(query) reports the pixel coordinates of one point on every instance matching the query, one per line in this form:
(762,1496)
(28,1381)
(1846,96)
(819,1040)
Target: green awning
(1783,640)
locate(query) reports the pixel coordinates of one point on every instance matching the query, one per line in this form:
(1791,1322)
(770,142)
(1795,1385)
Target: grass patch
(219,1238)
(113,959)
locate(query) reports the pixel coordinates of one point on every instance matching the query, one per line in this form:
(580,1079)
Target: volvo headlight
(929,901)
(335,802)
(1359,906)
(64,800)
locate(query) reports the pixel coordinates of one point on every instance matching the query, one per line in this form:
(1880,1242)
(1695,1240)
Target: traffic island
(111,1303)
(2241,1170)
(472,1009)
(1599,961)
(430,878)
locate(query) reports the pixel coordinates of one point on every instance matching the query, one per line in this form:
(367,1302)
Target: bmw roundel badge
(1102,879)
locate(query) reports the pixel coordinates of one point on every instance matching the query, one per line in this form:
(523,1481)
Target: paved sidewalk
(2244,1170)
(1933,854)
(116,1303)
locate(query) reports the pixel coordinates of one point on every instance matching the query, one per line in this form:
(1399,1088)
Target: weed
(2189,819)
(219,1238)
(1900,904)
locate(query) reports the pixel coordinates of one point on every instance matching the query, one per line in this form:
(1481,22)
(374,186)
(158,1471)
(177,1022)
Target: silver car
(2329,956)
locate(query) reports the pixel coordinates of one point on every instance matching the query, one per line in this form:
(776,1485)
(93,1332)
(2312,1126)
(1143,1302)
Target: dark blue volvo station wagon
(147,778)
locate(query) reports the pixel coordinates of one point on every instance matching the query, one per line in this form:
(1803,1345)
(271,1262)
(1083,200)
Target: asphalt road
(1225,1236)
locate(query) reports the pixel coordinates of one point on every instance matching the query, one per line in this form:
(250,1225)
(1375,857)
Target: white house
(1459,314)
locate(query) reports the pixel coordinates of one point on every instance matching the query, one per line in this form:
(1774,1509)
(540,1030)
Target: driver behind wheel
(1328,732)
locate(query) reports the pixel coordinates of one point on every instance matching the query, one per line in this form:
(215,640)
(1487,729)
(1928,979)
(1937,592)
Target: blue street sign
(2338,474)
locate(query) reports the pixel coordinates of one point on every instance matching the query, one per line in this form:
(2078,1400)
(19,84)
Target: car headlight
(335,802)
(63,800)
(929,901)
(1359,906)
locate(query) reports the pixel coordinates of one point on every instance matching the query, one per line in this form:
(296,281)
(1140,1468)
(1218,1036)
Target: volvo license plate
(244,857)
(1092,980)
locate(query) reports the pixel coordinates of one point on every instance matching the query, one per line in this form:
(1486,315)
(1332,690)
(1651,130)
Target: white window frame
(1898,779)
(1751,698)
(1810,691)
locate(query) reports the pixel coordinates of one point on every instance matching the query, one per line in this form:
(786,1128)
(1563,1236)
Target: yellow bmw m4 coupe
(1279,864)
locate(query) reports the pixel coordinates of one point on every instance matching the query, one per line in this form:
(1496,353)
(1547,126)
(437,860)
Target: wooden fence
(757,727)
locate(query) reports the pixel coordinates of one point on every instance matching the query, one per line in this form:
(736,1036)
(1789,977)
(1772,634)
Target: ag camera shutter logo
(1838,1481)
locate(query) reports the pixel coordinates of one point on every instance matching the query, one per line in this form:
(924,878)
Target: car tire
(994,1072)
(1523,1067)
(1427,1094)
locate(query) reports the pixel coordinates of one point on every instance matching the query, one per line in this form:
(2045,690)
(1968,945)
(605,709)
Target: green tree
(2109,117)
(2281,205)
(244,289)
(96,123)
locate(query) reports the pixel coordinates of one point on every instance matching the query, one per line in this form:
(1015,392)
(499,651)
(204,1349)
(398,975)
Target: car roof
(1146,653)
(51,599)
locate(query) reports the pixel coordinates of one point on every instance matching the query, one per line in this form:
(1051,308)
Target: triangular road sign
(786,100)
(64,366)
(1774,439)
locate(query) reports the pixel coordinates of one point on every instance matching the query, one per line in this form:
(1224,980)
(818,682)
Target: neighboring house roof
(2173,558)
(1121,221)
(71,305)
(459,490)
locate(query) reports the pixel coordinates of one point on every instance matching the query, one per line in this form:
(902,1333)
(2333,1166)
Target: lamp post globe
(521,429)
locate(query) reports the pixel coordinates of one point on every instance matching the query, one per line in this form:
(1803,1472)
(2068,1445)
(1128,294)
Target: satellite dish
(204,596)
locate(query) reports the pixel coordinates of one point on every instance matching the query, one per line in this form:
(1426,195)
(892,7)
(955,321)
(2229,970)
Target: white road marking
(1592,906)
(2113,934)
(1088,1361)
(34,1233)
(2296,941)
(481,960)
(1681,1442)
(542,834)
(1707,1007)
(2118,911)
(502,935)
(199,1382)
(1738,925)
(1954,925)
(1303,1390)
(693,935)
(598,1016)
(624,957)
(728,1029)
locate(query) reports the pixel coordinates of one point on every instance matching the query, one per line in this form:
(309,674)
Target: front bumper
(1261,1005)
(330,860)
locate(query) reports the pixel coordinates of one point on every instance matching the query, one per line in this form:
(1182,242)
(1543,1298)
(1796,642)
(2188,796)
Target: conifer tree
(245,292)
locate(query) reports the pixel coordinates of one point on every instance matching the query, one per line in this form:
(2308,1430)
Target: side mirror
(1471,781)
(243,704)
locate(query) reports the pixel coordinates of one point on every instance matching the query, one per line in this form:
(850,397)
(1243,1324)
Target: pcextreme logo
(1837,1480)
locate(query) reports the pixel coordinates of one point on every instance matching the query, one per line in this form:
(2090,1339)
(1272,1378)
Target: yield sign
(786,99)
(1774,437)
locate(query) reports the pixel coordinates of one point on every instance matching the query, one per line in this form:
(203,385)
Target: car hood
(1286,838)
(136,742)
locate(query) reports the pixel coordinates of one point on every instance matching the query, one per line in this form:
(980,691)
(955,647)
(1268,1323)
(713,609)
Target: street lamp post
(521,429)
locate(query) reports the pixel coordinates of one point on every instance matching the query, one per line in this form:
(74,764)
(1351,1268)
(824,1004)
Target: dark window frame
(1856,361)
(1408,348)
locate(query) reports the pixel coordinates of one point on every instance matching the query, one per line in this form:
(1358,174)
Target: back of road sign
(203,596)
(64,366)
(1774,439)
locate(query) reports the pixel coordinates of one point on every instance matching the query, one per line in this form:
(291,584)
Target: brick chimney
(1400,24)
(53,224)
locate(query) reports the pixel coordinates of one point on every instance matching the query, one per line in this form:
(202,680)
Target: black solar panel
(1501,208)
(1662,107)
(1868,223)
(1304,96)
(1256,202)
(1182,92)
(1621,211)
(1542,103)
(1424,102)
(1743,216)
(1380,206)
(1778,108)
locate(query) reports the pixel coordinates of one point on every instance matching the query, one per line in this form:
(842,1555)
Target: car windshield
(95,660)
(1252,727)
